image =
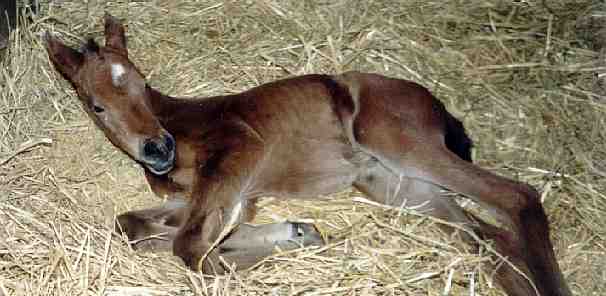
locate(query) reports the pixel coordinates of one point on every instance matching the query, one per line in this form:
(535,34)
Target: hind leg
(403,126)
(526,245)
(383,186)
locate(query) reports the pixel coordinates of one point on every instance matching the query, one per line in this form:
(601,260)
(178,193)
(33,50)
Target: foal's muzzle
(159,154)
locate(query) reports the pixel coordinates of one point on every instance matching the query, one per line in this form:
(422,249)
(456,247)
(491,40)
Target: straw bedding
(528,79)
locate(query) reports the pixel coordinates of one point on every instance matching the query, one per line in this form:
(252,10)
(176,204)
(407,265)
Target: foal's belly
(306,168)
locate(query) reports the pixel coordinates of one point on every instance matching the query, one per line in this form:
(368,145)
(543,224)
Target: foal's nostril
(169,142)
(152,150)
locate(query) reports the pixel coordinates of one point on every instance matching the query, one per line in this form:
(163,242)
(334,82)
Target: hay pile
(527,80)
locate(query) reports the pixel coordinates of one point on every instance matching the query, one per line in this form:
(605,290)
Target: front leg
(214,235)
(223,197)
(249,245)
(231,175)
(155,230)
(210,221)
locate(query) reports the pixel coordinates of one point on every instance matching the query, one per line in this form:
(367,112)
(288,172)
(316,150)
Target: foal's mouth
(161,167)
(158,154)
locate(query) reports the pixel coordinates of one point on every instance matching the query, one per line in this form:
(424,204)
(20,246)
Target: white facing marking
(117,73)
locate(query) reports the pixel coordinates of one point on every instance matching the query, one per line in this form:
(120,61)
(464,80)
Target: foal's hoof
(306,234)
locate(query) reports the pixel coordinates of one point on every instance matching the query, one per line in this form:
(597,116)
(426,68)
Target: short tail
(456,138)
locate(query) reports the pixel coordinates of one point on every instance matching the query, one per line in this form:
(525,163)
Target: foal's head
(115,96)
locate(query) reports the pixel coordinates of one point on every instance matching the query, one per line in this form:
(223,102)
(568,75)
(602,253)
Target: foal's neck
(163,105)
(182,115)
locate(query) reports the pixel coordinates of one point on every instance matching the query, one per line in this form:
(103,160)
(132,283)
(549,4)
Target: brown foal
(212,158)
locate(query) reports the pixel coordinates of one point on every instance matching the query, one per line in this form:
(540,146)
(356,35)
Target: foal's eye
(98,109)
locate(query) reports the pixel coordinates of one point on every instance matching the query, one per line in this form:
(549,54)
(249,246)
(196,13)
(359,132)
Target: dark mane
(90,46)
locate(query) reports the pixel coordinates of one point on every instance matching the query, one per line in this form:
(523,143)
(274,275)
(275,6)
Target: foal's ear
(114,34)
(65,59)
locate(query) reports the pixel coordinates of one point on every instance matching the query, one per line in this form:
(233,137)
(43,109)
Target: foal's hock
(212,158)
